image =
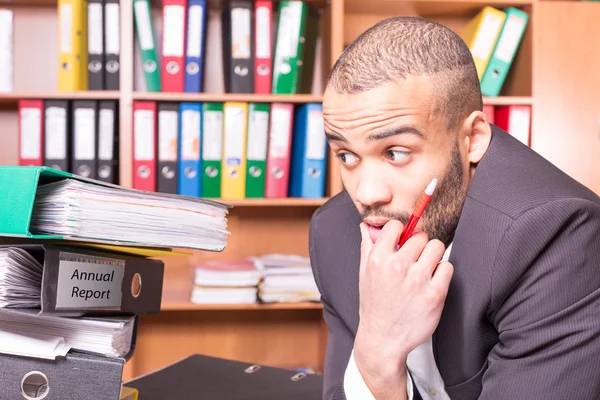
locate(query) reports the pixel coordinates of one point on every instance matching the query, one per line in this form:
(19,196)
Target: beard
(440,218)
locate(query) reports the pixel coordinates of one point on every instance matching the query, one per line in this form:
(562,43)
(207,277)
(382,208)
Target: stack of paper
(226,282)
(20,279)
(287,279)
(83,210)
(27,334)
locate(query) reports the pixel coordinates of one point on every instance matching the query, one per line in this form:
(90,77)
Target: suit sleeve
(340,340)
(545,305)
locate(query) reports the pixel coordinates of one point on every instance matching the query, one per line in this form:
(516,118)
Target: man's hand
(402,295)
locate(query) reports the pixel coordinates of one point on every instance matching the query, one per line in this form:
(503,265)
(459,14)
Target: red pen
(418,211)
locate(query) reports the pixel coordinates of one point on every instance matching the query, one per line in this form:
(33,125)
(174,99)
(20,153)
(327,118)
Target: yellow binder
(235,133)
(72,45)
(481,34)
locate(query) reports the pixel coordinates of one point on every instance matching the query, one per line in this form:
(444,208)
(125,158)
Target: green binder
(19,186)
(145,34)
(504,53)
(212,149)
(289,47)
(256,150)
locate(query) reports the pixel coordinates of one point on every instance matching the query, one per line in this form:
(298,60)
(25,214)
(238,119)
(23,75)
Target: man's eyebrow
(411,130)
(334,137)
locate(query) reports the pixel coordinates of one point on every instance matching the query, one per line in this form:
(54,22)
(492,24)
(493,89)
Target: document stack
(77,267)
(226,282)
(286,279)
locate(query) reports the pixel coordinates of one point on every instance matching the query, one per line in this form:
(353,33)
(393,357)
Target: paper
(286,278)
(40,336)
(20,279)
(29,344)
(77,209)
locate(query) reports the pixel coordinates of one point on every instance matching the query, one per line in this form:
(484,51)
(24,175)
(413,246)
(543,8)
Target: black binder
(57,138)
(107,146)
(206,377)
(112,49)
(95,45)
(167,156)
(84,122)
(74,278)
(238,68)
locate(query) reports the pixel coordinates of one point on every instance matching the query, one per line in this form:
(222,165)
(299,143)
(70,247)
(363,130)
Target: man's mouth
(374,227)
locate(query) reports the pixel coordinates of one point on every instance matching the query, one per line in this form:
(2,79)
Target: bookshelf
(294,335)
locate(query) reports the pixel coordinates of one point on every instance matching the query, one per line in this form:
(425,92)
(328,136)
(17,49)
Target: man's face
(390,143)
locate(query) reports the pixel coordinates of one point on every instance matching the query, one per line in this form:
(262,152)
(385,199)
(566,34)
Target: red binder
(263,46)
(31,132)
(173,45)
(144,145)
(488,110)
(516,120)
(279,150)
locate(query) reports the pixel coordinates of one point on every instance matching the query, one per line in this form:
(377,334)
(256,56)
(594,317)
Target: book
(78,209)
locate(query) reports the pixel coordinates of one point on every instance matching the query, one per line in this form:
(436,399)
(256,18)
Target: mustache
(381,213)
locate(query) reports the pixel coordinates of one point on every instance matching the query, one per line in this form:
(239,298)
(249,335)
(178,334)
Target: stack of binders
(77,268)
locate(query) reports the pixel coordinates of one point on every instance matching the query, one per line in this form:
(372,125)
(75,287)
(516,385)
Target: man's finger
(411,250)
(430,257)
(388,237)
(442,276)
(365,246)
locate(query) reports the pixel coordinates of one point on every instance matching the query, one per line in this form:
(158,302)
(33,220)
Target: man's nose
(373,189)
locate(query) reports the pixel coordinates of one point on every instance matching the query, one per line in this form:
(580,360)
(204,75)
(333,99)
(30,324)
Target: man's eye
(396,155)
(347,158)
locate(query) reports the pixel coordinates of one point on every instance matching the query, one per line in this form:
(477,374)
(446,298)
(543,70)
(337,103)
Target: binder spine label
(509,41)
(212,136)
(315,147)
(89,282)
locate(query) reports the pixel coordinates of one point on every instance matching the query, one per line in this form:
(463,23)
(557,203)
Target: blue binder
(190,149)
(309,153)
(195,46)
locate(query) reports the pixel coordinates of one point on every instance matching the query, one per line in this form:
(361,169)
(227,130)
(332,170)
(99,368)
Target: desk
(281,335)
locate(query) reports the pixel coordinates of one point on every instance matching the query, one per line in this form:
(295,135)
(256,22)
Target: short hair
(401,46)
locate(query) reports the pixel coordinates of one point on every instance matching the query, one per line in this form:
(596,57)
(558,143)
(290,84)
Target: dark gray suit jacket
(522,316)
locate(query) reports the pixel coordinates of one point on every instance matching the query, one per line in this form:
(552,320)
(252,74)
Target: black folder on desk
(204,377)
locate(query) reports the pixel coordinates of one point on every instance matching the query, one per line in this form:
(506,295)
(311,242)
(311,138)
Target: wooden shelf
(287,202)
(12,99)
(427,8)
(508,100)
(222,97)
(188,306)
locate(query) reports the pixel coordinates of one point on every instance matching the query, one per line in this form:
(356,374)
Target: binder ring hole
(136,285)
(34,386)
(252,368)
(298,376)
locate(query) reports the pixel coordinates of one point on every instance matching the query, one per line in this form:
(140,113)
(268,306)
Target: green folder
(504,53)
(256,150)
(289,47)
(145,34)
(212,149)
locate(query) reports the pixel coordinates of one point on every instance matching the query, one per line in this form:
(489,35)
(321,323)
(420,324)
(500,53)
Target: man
(515,313)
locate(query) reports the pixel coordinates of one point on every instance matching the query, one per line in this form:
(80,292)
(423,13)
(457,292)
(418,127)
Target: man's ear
(477,136)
